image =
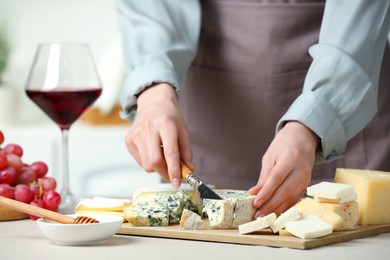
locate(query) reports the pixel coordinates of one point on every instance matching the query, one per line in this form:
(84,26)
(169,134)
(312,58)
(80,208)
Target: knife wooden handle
(36,211)
(185,171)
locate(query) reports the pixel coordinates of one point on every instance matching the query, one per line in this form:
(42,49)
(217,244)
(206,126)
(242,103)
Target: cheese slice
(235,208)
(309,206)
(310,226)
(289,215)
(256,225)
(352,197)
(373,189)
(330,190)
(349,212)
(219,212)
(191,220)
(101,204)
(147,213)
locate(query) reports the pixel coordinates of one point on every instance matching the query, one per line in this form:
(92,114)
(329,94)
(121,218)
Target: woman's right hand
(160,123)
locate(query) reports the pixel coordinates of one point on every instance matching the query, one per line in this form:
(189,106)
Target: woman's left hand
(286,169)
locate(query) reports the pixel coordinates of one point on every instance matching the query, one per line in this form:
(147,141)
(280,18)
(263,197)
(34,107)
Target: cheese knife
(190,177)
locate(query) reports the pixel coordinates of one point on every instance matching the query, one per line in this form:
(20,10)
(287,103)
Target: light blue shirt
(339,95)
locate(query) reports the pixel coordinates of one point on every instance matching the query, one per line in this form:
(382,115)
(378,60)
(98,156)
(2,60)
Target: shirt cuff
(320,117)
(141,78)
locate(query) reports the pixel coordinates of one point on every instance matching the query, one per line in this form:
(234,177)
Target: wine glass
(64,82)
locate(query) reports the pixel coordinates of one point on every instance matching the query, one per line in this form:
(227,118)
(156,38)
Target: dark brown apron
(250,66)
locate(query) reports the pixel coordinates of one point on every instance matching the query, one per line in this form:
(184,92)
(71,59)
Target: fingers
(169,138)
(279,173)
(267,164)
(286,195)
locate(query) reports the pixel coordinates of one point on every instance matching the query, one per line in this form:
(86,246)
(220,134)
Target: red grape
(36,203)
(8,175)
(6,190)
(51,200)
(40,169)
(14,149)
(36,189)
(1,137)
(23,193)
(3,159)
(15,161)
(27,176)
(48,183)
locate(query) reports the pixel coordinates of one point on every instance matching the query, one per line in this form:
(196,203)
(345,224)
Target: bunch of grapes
(24,182)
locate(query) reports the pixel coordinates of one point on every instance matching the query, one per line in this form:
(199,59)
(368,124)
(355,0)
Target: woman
(240,68)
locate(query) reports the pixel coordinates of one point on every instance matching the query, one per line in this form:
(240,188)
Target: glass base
(68,203)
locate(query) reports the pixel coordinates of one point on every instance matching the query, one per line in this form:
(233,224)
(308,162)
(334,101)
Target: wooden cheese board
(263,238)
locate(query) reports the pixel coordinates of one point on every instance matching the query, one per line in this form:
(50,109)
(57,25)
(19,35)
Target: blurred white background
(99,161)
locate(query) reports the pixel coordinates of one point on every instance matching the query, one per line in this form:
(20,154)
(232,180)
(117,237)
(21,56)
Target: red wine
(64,107)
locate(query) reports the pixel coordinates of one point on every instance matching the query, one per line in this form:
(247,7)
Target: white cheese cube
(330,190)
(289,215)
(256,225)
(310,226)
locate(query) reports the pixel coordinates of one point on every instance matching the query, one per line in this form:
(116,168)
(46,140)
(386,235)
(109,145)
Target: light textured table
(22,239)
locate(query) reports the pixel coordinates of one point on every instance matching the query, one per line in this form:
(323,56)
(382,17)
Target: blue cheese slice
(235,209)
(219,212)
(191,220)
(175,201)
(146,213)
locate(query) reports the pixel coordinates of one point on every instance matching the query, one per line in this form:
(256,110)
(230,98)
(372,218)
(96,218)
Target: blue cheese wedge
(191,220)
(175,201)
(235,209)
(146,213)
(219,212)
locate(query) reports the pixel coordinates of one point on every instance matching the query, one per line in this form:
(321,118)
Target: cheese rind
(289,215)
(309,226)
(309,206)
(330,190)
(349,212)
(373,189)
(256,225)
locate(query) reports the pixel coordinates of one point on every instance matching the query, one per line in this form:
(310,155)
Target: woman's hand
(286,169)
(159,123)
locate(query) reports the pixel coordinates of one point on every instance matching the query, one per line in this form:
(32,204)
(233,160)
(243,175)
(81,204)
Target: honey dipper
(44,213)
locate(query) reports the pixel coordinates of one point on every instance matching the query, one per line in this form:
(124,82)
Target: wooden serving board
(9,214)
(263,238)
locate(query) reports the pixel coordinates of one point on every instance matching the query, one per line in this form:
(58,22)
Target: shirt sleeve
(339,96)
(159,41)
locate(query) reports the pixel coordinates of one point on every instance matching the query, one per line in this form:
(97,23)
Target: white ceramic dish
(81,234)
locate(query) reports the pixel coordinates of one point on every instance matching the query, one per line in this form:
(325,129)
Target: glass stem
(65,163)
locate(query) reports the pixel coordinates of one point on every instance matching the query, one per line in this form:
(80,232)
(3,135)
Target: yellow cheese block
(373,189)
(309,206)
(349,212)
